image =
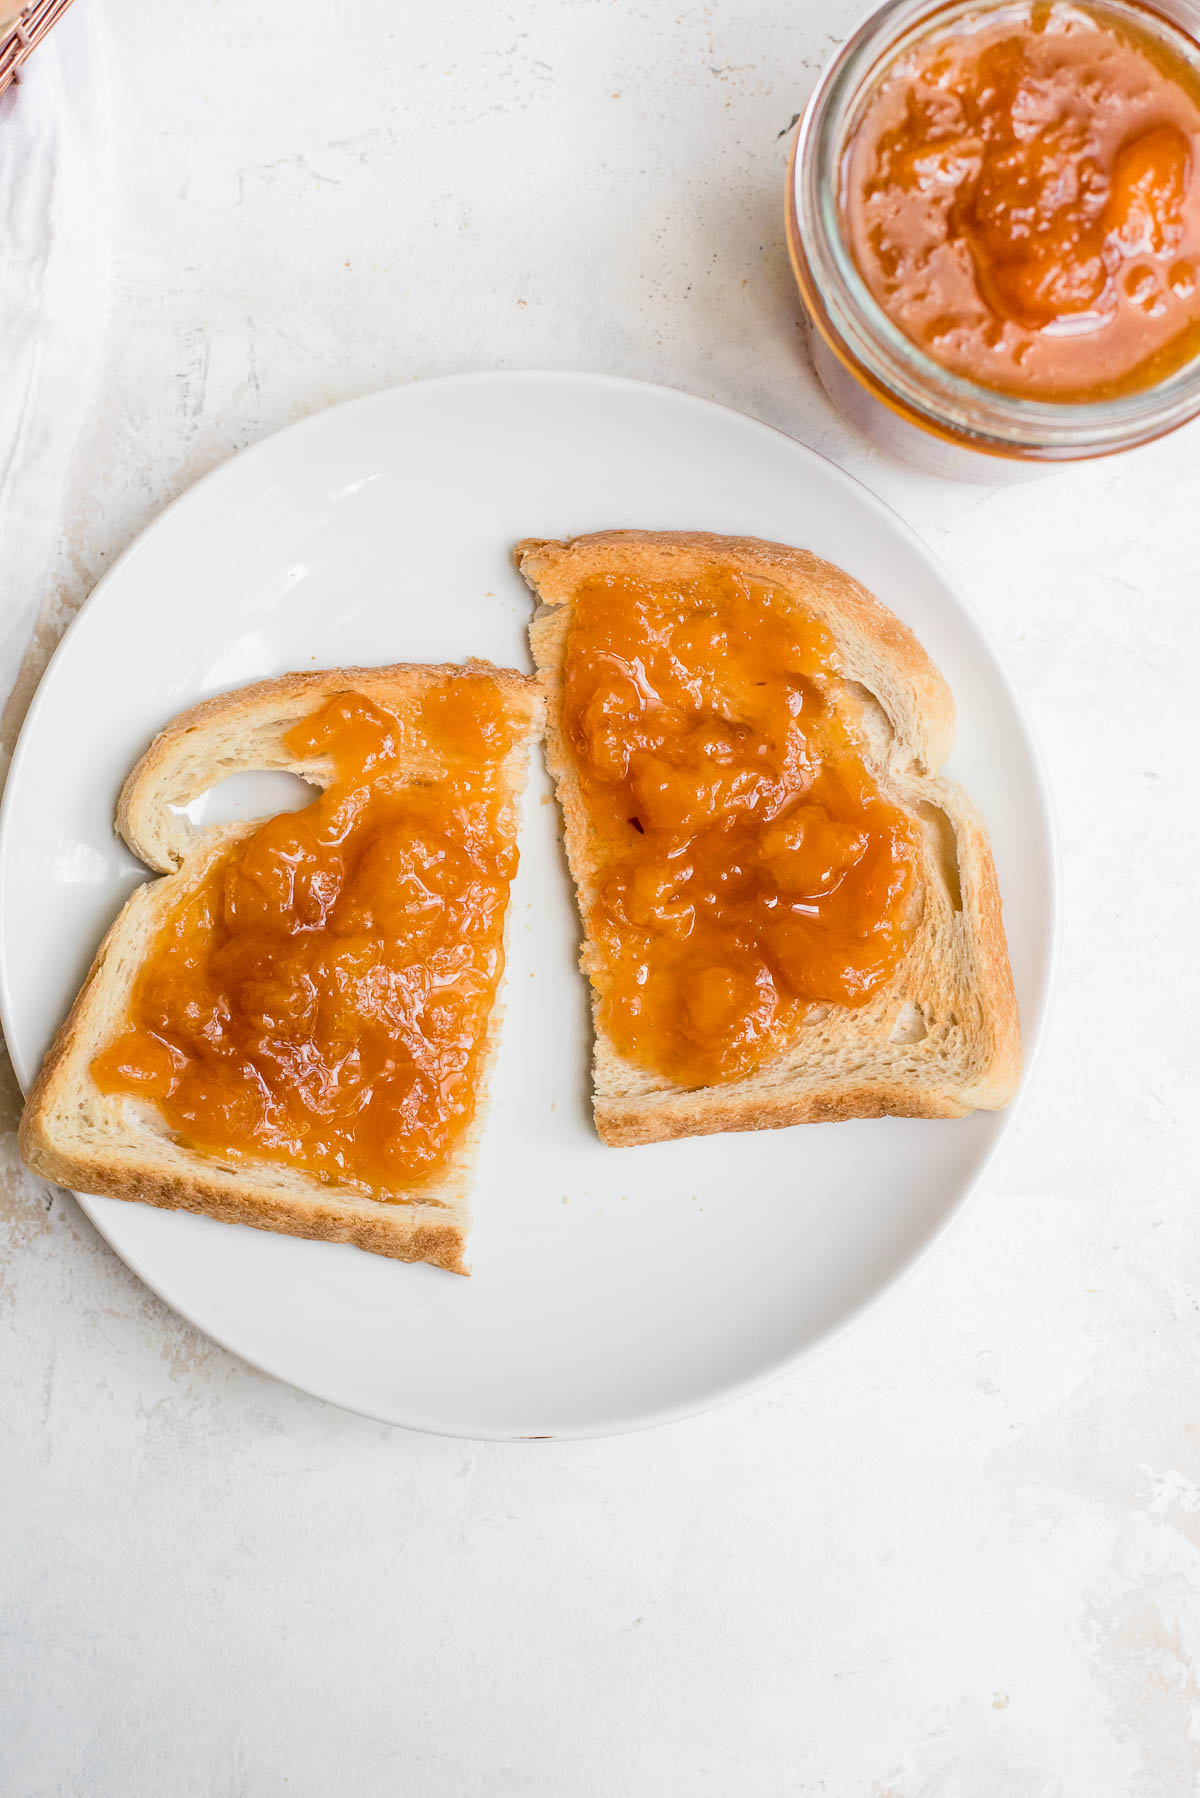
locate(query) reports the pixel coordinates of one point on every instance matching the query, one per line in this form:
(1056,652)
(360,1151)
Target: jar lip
(859,328)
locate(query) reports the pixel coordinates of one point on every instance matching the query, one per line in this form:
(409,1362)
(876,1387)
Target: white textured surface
(958,1556)
(55,181)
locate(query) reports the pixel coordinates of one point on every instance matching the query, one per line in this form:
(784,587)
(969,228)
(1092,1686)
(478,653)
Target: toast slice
(119,1144)
(941,1037)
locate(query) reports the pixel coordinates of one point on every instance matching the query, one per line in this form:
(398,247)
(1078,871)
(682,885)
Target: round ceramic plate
(612,1288)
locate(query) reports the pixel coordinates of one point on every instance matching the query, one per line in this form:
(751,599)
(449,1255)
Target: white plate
(613,1288)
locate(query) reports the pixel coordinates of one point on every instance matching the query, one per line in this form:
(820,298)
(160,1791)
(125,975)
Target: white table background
(956,1556)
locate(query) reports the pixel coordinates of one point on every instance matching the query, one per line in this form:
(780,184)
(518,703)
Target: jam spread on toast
(322,997)
(1021,194)
(748,866)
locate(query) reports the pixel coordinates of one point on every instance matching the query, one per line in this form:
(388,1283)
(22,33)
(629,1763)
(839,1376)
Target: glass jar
(878,377)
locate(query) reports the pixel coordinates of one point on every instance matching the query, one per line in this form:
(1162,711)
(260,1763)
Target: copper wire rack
(22,31)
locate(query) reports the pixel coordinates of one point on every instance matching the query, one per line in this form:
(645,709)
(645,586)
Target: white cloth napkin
(55,191)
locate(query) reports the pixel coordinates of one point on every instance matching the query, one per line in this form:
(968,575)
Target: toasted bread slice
(119,1145)
(942,1037)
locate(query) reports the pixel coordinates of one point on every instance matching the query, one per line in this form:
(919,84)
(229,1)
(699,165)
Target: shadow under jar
(994,221)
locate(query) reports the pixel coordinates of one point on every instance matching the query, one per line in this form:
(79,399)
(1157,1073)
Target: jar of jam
(994,220)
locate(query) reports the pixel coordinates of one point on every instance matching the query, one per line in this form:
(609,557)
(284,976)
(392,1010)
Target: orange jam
(1021,194)
(322,997)
(749,867)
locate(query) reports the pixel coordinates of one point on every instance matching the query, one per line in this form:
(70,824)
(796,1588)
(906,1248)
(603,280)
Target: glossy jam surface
(749,867)
(322,998)
(1021,193)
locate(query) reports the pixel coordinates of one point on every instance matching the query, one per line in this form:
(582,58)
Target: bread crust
(118,1146)
(953,989)
(245,727)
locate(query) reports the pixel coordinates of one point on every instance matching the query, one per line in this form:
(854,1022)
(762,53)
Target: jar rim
(860,332)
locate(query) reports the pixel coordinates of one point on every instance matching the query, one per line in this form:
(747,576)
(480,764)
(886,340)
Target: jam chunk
(322,997)
(1021,193)
(749,866)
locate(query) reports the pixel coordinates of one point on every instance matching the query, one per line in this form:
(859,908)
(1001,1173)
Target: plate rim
(1032,1029)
